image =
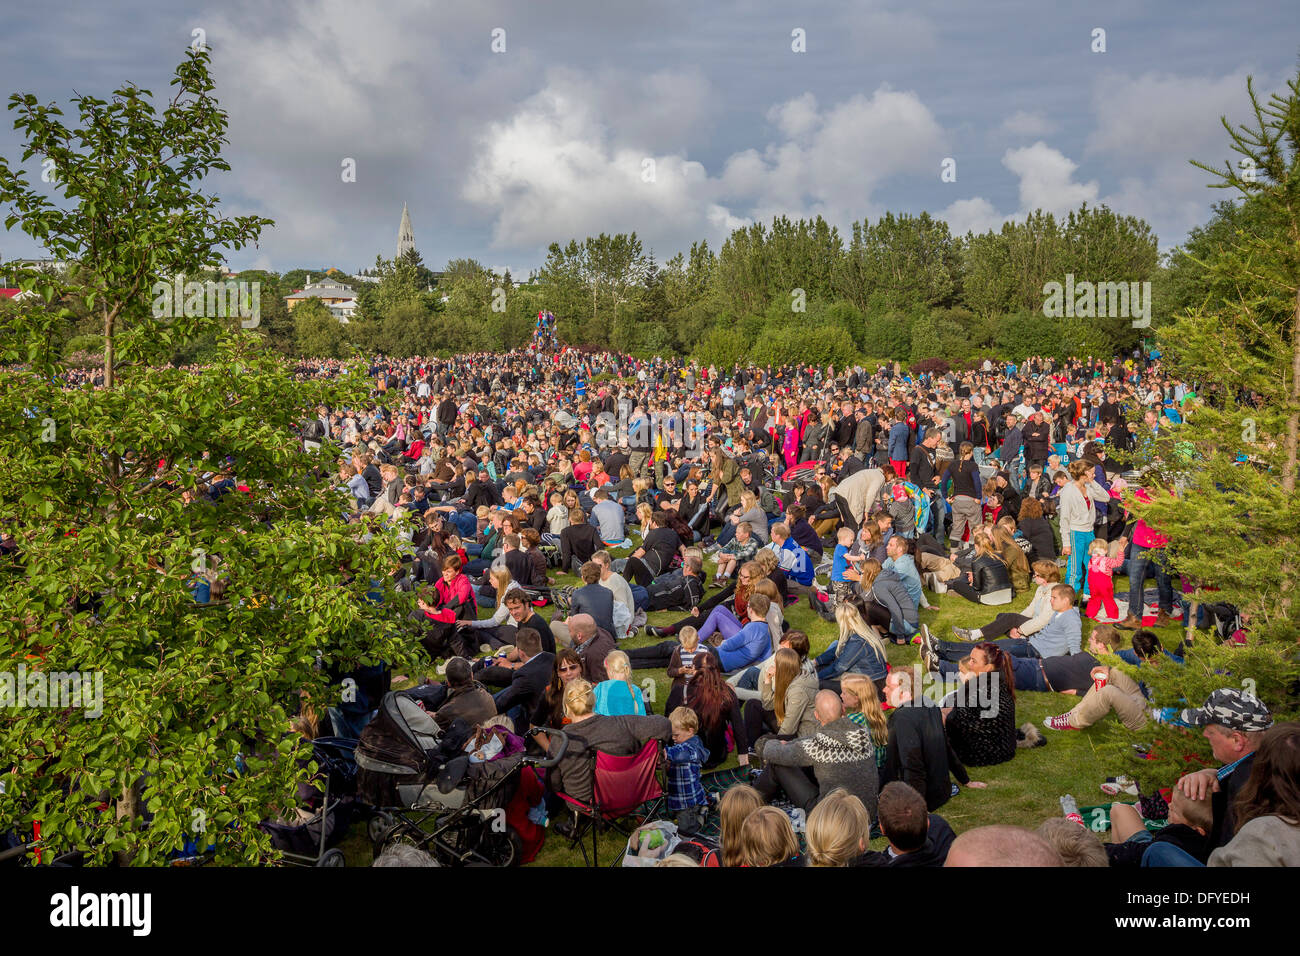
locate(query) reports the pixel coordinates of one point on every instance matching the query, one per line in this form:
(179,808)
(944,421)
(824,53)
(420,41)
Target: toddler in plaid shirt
(686,794)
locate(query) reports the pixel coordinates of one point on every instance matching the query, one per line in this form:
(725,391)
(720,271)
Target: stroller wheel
(333,858)
(378,825)
(503,849)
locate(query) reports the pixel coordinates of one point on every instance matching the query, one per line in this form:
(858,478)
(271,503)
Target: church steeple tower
(405,235)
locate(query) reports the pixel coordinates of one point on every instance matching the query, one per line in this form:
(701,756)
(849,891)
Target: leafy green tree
(900,262)
(317,333)
(1234,525)
(888,336)
(196,698)
(408,329)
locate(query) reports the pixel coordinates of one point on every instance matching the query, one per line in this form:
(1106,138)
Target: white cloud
(1047,179)
(558,166)
(975,215)
(1025,123)
(1150,127)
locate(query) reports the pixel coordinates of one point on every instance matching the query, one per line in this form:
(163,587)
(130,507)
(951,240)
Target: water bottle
(1070,807)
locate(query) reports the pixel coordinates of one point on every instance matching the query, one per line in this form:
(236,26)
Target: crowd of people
(867,493)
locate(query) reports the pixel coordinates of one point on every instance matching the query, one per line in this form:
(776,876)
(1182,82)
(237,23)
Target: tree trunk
(109,318)
(1293,415)
(128,808)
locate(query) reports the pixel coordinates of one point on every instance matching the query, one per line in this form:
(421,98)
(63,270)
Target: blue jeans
(1141,559)
(640,597)
(1166,854)
(727,533)
(1026,671)
(1017,647)
(1080,541)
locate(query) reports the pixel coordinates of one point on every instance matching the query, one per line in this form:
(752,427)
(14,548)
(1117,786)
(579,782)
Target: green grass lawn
(1025,790)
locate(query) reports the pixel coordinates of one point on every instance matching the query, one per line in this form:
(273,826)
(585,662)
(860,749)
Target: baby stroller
(399,764)
(312,842)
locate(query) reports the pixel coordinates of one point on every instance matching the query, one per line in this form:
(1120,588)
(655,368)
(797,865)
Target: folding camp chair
(622,784)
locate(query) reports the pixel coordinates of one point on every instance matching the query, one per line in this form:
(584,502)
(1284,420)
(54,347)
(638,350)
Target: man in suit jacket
(525,680)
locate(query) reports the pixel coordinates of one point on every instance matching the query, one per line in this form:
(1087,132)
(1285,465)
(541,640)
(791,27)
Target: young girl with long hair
(715,703)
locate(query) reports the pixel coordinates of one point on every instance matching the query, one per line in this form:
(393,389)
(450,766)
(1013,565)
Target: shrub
(935,366)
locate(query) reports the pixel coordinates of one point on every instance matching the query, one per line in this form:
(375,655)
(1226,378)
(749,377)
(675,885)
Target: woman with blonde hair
(787,693)
(768,561)
(839,829)
(858,650)
(619,695)
(861,698)
(493,594)
(988,581)
(767,839)
(644,511)
(735,807)
(1004,542)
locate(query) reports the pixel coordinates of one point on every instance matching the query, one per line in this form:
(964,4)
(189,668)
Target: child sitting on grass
(1189,823)
(687,798)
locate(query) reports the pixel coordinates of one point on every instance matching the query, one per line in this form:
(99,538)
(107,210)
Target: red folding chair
(621,785)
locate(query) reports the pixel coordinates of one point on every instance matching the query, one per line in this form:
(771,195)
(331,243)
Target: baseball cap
(1230,708)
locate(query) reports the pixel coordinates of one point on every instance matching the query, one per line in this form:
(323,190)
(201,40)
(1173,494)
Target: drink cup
(1099,681)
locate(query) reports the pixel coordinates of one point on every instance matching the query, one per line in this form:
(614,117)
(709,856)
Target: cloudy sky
(500,153)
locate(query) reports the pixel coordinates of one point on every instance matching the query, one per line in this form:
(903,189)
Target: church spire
(405,235)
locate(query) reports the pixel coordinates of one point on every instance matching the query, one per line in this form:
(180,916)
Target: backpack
(701,850)
(1224,619)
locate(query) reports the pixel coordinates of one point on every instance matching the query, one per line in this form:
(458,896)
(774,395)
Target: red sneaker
(1059,723)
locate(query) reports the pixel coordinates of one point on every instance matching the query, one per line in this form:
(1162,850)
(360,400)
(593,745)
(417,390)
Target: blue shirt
(751,644)
(905,568)
(1060,636)
(794,561)
(616,698)
(839,563)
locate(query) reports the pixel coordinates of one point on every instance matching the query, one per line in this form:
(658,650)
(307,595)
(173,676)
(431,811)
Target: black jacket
(933,852)
(918,753)
(522,569)
(990,574)
(845,430)
(675,590)
(579,541)
(528,683)
(481,493)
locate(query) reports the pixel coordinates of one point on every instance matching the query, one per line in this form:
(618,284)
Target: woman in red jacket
(451,599)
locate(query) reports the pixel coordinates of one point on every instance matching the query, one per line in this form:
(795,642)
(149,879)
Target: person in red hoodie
(449,600)
(1148,549)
